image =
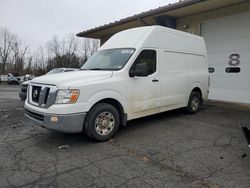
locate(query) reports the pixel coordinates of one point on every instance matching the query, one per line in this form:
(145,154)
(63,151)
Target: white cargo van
(136,73)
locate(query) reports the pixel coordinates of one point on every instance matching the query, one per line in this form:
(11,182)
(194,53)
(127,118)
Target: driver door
(144,88)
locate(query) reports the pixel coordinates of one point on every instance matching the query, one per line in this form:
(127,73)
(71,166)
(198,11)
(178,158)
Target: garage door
(228,46)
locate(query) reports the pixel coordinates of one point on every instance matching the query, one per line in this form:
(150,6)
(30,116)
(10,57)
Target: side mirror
(139,70)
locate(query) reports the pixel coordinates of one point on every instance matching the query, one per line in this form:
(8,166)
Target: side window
(147,57)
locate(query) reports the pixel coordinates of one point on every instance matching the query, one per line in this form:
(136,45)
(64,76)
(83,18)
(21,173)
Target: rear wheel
(194,102)
(102,122)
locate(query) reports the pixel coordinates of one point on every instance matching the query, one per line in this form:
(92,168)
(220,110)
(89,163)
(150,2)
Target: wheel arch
(115,99)
(196,87)
(118,106)
(198,90)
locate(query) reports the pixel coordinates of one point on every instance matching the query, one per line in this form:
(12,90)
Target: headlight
(67,96)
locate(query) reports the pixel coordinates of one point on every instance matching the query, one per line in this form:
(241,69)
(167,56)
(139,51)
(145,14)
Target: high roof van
(136,73)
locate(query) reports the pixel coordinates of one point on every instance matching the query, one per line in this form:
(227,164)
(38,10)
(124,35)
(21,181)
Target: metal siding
(177,10)
(195,20)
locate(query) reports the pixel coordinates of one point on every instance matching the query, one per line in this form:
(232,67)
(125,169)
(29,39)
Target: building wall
(194,21)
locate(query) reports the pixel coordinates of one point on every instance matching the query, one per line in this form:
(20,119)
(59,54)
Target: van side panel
(173,79)
(197,66)
(197,73)
(183,67)
(195,46)
(171,42)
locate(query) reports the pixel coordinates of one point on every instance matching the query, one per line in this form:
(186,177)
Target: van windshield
(56,70)
(113,59)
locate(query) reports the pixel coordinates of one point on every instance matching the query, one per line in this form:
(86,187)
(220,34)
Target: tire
(102,122)
(194,103)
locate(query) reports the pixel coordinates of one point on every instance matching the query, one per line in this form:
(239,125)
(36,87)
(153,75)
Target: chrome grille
(36,90)
(42,95)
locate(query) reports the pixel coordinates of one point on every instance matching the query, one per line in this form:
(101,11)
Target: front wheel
(102,122)
(194,102)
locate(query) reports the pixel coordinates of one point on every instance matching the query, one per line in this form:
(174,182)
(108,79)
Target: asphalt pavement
(9,91)
(172,149)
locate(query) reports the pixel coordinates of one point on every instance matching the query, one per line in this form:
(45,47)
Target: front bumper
(68,123)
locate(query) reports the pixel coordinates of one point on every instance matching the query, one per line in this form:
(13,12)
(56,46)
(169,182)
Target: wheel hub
(195,103)
(104,123)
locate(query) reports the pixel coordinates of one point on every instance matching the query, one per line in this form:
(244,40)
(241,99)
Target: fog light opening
(54,119)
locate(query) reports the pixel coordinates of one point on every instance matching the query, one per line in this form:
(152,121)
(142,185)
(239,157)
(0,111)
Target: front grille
(34,115)
(36,93)
(46,95)
(42,95)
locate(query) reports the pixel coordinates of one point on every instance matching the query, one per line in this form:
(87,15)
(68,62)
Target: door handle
(155,80)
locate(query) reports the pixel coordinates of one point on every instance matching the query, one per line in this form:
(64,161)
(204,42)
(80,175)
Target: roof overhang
(160,16)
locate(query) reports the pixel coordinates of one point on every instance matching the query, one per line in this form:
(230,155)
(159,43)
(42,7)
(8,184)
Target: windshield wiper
(100,69)
(95,69)
(92,69)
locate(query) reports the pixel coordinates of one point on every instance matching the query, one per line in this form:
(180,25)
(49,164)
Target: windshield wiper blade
(95,69)
(99,69)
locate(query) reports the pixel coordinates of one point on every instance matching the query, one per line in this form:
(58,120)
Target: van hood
(68,79)
(26,82)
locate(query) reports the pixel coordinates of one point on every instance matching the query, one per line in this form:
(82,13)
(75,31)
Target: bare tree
(89,47)
(64,53)
(71,47)
(37,62)
(29,69)
(6,42)
(67,52)
(94,45)
(55,47)
(42,56)
(18,56)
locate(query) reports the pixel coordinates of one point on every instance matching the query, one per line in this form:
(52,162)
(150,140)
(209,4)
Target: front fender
(108,94)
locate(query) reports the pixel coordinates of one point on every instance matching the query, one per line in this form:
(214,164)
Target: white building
(225,25)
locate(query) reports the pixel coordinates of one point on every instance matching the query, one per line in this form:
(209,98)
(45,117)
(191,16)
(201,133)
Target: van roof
(142,36)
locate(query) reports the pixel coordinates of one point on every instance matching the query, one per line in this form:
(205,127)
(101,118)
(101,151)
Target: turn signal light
(74,96)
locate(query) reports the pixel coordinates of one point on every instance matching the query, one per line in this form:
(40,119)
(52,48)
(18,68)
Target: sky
(36,21)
